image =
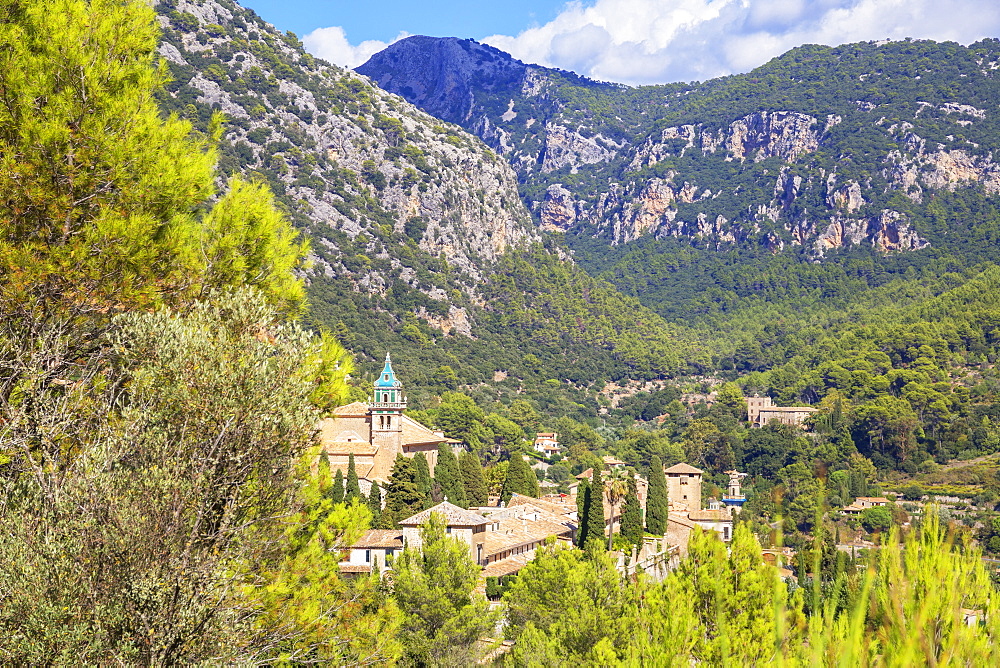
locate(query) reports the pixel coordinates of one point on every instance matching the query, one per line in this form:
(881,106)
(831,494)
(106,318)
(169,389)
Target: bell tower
(386,412)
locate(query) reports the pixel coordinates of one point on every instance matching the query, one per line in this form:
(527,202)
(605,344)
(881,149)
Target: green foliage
(403,496)
(299,602)
(876,519)
(593,525)
(562,606)
(443,620)
(448,477)
(472,478)
(352,490)
(631,522)
(173,447)
(520,479)
(458,416)
(656,501)
(104,200)
(424,482)
(337,488)
(727,607)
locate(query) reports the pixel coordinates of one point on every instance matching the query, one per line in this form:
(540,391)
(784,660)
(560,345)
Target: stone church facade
(376,431)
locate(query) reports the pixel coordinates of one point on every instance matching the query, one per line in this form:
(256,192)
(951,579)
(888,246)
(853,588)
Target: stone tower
(683,488)
(386,413)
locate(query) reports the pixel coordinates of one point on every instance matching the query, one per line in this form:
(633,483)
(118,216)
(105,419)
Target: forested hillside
(830,206)
(416,227)
(163,496)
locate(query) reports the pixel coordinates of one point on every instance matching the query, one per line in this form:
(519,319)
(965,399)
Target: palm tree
(615,488)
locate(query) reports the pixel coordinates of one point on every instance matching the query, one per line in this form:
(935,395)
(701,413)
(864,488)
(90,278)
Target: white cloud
(331,44)
(652,41)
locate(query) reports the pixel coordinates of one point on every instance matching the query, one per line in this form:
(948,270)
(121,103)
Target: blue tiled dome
(387,378)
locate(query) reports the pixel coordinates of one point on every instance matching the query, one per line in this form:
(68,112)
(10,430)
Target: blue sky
(630,41)
(385,19)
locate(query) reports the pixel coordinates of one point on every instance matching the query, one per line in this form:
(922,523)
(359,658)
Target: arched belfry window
(385,397)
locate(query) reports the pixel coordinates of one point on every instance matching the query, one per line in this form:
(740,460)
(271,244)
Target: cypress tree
(353,490)
(581,501)
(595,515)
(337,491)
(402,498)
(631,522)
(520,479)
(375,503)
(472,478)
(531,486)
(582,510)
(447,475)
(323,472)
(424,482)
(656,502)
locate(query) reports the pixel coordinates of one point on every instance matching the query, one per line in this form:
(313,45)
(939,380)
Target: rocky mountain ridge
(600,160)
(349,161)
(420,241)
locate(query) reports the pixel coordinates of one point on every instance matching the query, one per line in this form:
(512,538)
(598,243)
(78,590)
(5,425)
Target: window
(368,556)
(448,529)
(386,377)
(385,397)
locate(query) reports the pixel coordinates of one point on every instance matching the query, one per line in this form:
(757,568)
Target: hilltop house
(377,431)
(547,443)
(862,503)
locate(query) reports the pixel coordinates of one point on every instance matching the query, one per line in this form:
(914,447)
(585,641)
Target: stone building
(683,487)
(377,431)
(684,498)
(762,411)
(500,540)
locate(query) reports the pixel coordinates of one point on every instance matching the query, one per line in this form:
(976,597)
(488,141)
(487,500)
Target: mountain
(789,191)
(420,241)
(822,147)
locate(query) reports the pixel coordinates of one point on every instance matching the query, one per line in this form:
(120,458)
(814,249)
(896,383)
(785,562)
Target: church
(376,431)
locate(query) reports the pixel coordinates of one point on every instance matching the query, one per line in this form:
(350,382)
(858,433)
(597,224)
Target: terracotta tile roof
(380,538)
(588,474)
(355,409)
(414,433)
(549,506)
(873,499)
(507,566)
(355,568)
(683,468)
(514,533)
(349,448)
(612,461)
(677,518)
(453,516)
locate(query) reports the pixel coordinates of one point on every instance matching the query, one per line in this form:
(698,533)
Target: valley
(453,359)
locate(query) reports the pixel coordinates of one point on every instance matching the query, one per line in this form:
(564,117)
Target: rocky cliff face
(625,214)
(597,161)
(444,74)
(389,194)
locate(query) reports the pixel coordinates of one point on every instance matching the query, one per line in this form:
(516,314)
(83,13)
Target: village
(502,537)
